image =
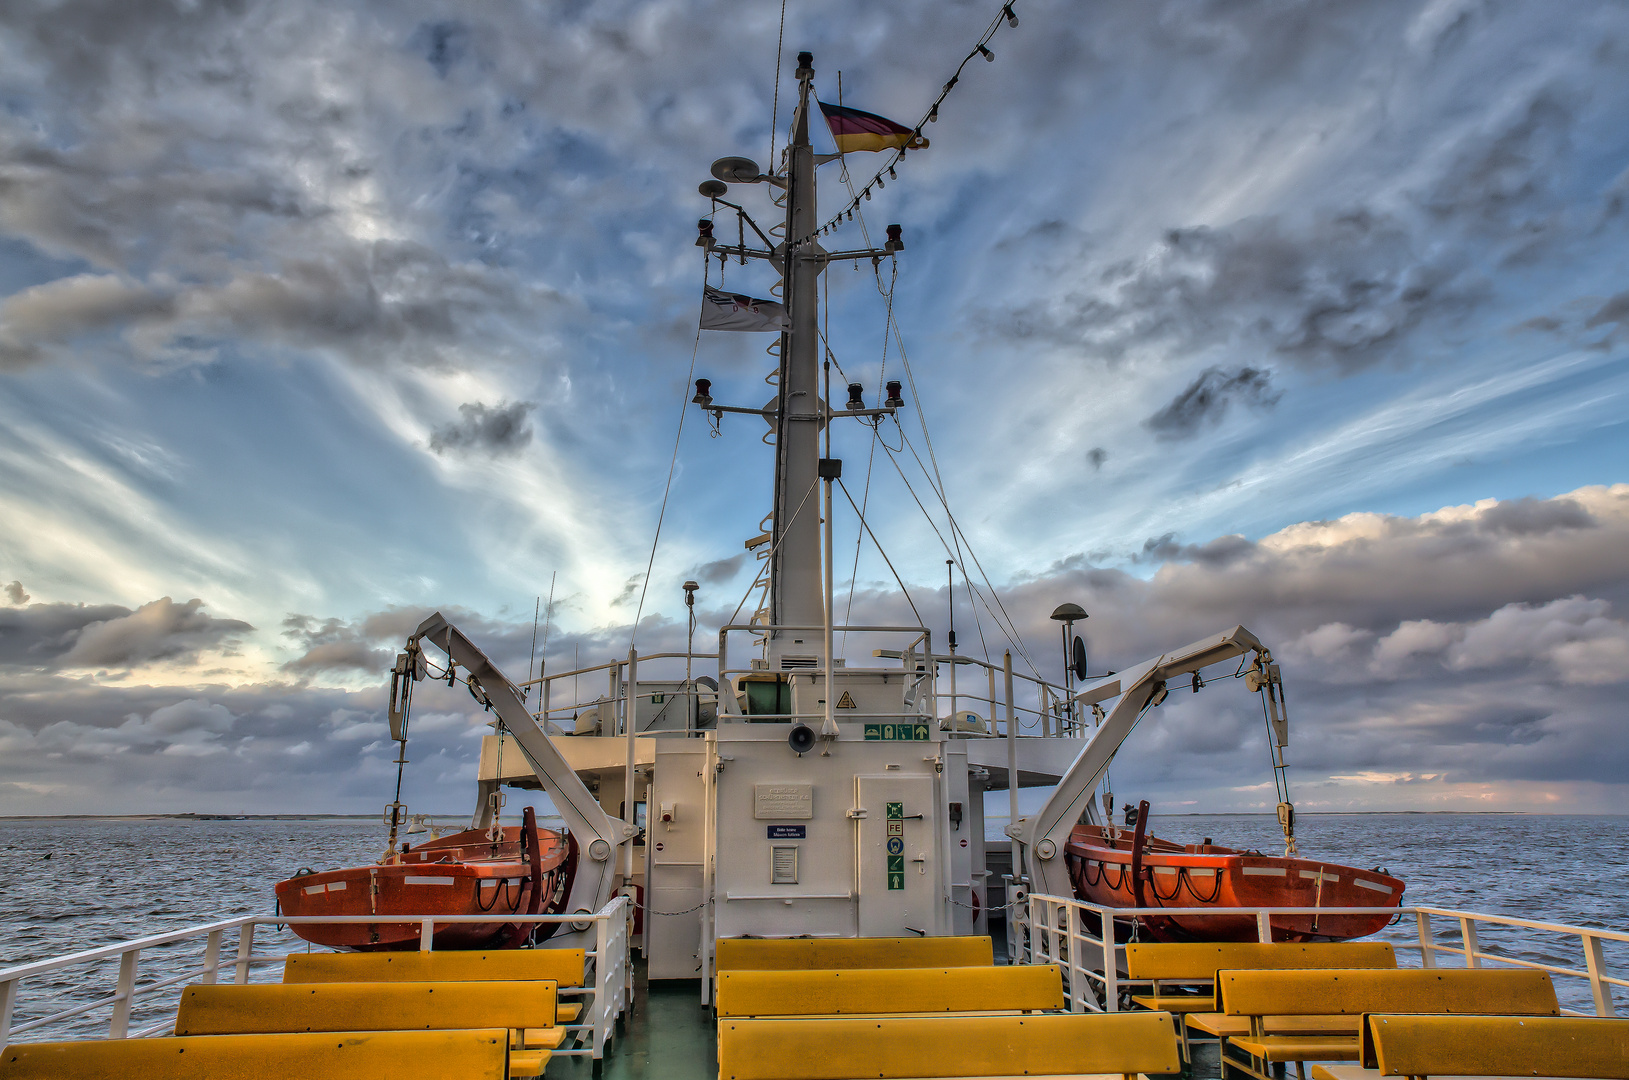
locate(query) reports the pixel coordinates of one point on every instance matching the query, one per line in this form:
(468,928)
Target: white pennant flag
(727,311)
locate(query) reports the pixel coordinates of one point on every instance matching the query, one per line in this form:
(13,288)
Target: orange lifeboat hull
(463,874)
(1206,875)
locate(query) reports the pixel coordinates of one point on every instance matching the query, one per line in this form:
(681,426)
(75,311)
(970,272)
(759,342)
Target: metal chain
(686,911)
(1009,905)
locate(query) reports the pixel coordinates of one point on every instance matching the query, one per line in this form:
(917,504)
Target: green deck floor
(669,1034)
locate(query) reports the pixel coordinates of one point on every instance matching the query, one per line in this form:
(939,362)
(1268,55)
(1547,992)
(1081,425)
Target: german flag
(854,130)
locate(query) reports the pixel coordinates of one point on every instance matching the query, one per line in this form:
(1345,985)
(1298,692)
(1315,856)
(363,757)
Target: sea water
(73,884)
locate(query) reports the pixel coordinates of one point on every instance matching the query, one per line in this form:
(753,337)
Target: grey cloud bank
(1484,645)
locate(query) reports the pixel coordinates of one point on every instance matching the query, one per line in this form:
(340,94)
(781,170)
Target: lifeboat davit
(1125,869)
(514,870)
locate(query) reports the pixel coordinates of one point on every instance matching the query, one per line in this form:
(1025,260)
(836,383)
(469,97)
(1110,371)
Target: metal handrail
(1035,936)
(612,990)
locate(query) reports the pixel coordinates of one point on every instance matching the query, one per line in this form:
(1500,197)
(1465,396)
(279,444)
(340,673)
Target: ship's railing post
(1467,936)
(124,994)
(1111,961)
(8,1002)
(246,949)
(212,957)
(1428,945)
(1264,927)
(427,933)
(1599,988)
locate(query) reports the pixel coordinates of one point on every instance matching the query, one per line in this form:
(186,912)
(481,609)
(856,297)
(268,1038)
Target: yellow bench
(481,1054)
(896,1048)
(1339,997)
(873,992)
(1488,1046)
(563,967)
(522,1007)
(1196,964)
(824,954)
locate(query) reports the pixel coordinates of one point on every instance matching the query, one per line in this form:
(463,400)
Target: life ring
(978,908)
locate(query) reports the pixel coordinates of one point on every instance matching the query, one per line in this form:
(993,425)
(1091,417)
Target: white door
(898,869)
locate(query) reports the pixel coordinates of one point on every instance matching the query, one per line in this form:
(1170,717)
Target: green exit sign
(897,733)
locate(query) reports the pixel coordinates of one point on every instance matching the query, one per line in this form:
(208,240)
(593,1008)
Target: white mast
(795,578)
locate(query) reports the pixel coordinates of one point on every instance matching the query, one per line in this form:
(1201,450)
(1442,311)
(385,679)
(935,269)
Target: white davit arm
(1044,835)
(596,833)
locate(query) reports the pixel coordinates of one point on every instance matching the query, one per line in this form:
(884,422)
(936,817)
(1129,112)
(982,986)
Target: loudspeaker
(801,738)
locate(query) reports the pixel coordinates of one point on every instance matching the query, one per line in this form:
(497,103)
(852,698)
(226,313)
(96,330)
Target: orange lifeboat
(1122,869)
(525,870)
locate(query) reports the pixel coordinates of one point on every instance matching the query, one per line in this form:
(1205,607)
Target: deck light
(894,400)
(704,392)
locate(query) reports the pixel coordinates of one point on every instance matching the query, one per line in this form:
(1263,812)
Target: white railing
(611,988)
(1059,930)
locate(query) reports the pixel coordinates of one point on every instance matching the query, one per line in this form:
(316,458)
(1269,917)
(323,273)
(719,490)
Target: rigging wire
(880,551)
(673,465)
(775,109)
(1005,15)
(773,547)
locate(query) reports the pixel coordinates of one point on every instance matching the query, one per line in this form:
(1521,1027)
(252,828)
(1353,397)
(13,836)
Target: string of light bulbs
(982,48)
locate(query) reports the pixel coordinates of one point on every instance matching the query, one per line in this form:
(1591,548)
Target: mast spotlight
(704,233)
(894,401)
(704,392)
(736,170)
(895,241)
(856,396)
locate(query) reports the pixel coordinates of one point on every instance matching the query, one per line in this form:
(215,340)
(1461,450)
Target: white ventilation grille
(783,866)
(789,663)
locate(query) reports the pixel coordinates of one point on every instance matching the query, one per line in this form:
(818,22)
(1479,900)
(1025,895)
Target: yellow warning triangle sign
(846,702)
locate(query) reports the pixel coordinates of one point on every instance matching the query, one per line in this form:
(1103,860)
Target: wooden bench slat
(984,1046)
(1464,1045)
(1223,1026)
(267,1008)
(820,954)
(1175,1003)
(1199,962)
(564,967)
(400,1055)
(887,991)
(1353,992)
(1297,1047)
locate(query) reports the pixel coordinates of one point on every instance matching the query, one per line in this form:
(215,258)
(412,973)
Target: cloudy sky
(316,317)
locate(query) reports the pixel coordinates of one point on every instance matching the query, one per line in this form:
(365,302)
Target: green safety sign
(897,733)
(896,828)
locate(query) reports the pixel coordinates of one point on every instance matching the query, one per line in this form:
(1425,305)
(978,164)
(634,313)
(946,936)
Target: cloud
(15,594)
(1206,399)
(718,571)
(57,636)
(492,429)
